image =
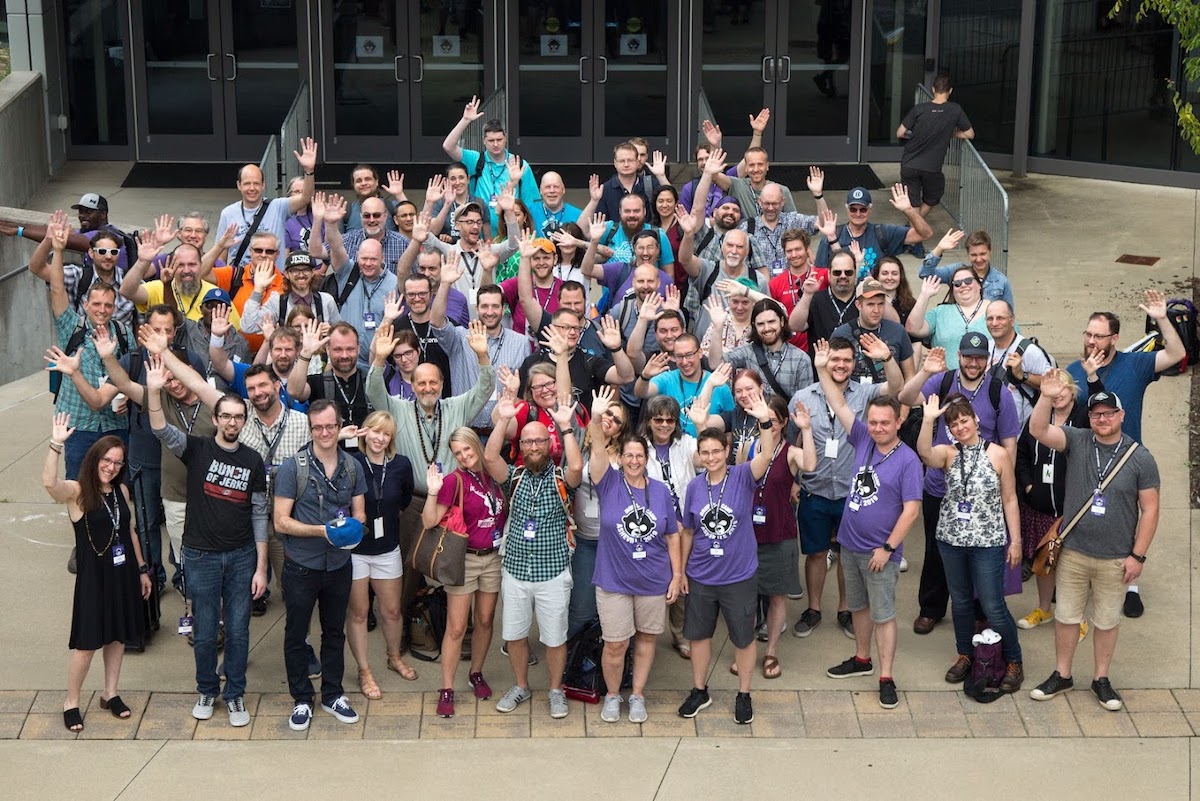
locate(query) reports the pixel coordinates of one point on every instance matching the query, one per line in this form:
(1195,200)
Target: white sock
(1133,588)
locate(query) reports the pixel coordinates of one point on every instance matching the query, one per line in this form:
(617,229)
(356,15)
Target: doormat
(173,174)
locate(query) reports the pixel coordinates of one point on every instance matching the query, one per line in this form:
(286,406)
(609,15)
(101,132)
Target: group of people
(651,411)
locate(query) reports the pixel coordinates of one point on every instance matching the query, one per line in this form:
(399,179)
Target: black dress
(108,597)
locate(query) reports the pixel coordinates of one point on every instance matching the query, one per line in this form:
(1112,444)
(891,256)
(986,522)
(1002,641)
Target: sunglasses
(841,272)
(372,215)
(964,282)
(107,251)
(857,209)
(264,251)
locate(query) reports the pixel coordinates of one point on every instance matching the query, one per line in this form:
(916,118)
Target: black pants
(933,594)
(329,592)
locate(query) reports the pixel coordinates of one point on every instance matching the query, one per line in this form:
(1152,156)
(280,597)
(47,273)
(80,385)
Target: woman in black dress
(112,581)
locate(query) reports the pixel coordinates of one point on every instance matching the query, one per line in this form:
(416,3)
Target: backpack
(301,458)
(330,285)
(426,624)
(564,495)
(1181,315)
(1005,374)
(317,306)
(987,668)
(76,341)
(911,427)
(583,678)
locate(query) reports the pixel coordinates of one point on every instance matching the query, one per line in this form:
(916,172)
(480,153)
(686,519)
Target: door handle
(233,63)
(396,69)
(208,66)
(581,78)
(604,59)
(785,66)
(768,68)
(421,64)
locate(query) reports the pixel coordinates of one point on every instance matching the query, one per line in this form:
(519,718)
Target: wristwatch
(765,425)
(144,568)
(1141,559)
(888,548)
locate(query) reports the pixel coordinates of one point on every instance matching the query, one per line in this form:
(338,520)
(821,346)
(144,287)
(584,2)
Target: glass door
(634,92)
(896,59)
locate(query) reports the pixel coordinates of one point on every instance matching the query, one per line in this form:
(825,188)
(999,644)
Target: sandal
(73,720)
(733,668)
(366,683)
(116,706)
(684,649)
(770,668)
(397,665)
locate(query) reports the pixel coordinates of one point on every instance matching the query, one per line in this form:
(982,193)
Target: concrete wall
(22,138)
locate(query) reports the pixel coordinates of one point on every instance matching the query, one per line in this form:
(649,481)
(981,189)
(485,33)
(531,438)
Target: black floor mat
(169,174)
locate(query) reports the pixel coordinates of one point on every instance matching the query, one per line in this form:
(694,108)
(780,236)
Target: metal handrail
(704,112)
(297,124)
(974,196)
(494,107)
(269,164)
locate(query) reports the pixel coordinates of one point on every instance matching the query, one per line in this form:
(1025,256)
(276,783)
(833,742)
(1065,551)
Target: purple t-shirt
(881,486)
(723,525)
(631,557)
(990,428)
(296,231)
(612,274)
(483,507)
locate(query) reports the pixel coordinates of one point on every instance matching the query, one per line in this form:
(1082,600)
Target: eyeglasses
(540,441)
(118,463)
(470,222)
(858,209)
(107,251)
(371,215)
(548,386)
(324,428)
(193,230)
(841,272)
(416,295)
(1110,414)
(1090,335)
(225,417)
(634,457)
(405,354)
(264,251)
(663,420)
(570,329)
(691,355)
(963,282)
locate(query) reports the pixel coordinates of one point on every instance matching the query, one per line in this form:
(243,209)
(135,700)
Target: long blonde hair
(467,436)
(387,424)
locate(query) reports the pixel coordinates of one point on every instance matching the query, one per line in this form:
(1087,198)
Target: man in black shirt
(224,541)
(926,133)
(588,373)
(418,297)
(344,383)
(819,313)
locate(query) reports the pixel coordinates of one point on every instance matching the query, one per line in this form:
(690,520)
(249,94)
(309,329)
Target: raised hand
(268,324)
(311,340)
(60,428)
(1155,305)
(434,479)
(730,288)
(758,122)
(874,347)
(57,361)
(687,223)
(857,252)
(391,306)
(717,314)
(758,407)
(563,413)
(436,189)
(452,268)
(471,111)
(602,400)
(488,258)
(307,155)
(506,408)
(820,355)
(421,227)
(1091,364)
(166,273)
(931,286)
(827,224)
(148,249)
(715,162)
(1052,383)
(383,343)
(509,379)
(554,341)
(164,229)
(933,408)
(105,344)
(228,236)
(658,363)
(596,231)
(950,240)
(59,234)
(154,342)
(317,206)
(156,374)
(516,168)
(658,165)
(801,417)
(673,300)
(610,332)
(935,361)
(477,337)
(219,325)
(712,134)
(595,188)
(648,311)
(506,200)
(811,283)
(525,245)
(816,180)
(395,183)
(264,276)
(335,209)
(722,375)
(900,199)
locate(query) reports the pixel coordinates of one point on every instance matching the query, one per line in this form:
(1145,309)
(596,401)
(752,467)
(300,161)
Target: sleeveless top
(972,514)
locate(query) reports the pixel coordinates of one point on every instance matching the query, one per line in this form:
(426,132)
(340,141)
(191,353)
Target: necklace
(115,517)
(436,438)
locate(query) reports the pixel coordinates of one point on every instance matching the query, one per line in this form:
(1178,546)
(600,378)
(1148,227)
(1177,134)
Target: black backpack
(911,426)
(1181,315)
(76,341)
(583,678)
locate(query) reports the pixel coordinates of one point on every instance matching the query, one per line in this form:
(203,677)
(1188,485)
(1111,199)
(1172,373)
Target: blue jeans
(146,483)
(80,443)
(582,611)
(979,571)
(219,579)
(303,589)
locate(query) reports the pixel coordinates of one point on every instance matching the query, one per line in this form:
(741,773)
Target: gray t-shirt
(320,501)
(1111,535)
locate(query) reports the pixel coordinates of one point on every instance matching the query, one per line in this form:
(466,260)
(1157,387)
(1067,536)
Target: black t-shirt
(587,373)
(219,487)
(826,313)
(395,478)
(431,350)
(350,396)
(931,126)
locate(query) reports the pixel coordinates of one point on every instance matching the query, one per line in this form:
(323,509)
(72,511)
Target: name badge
(1099,504)
(760,515)
(963,512)
(831,448)
(716,552)
(379,528)
(185,624)
(530,529)
(496,538)
(866,380)
(369,321)
(1047,474)
(352,442)
(854,504)
(118,554)
(639,554)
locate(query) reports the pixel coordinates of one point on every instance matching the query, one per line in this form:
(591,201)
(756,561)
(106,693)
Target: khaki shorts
(482,573)
(622,616)
(1078,578)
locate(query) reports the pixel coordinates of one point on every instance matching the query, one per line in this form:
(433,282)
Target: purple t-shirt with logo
(878,492)
(725,525)
(992,428)
(631,557)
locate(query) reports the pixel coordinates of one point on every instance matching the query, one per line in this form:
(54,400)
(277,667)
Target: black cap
(1105,399)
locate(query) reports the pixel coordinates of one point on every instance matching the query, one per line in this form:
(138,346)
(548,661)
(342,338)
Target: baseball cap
(301,260)
(470,206)
(869,289)
(973,344)
(1105,399)
(217,294)
(749,283)
(541,243)
(92,201)
(858,196)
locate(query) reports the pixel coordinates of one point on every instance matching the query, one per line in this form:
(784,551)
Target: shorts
(924,187)
(1079,577)
(175,513)
(549,600)
(866,589)
(482,573)
(622,616)
(379,566)
(737,603)
(819,519)
(779,568)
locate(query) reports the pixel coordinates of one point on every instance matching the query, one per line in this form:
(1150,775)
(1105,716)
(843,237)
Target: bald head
(250,184)
(370,259)
(374,217)
(535,446)
(553,190)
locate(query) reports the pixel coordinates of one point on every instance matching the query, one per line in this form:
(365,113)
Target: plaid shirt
(536,499)
(394,245)
(768,244)
(72,273)
(294,436)
(84,417)
(791,367)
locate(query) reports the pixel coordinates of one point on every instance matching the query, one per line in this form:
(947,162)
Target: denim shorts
(819,520)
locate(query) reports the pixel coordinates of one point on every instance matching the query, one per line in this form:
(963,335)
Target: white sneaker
(637,709)
(903,565)
(238,716)
(611,712)
(203,710)
(558,704)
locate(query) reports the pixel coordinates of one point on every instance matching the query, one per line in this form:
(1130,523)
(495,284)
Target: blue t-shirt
(724,549)
(882,484)
(493,178)
(623,251)
(546,222)
(880,239)
(1127,376)
(238,385)
(672,383)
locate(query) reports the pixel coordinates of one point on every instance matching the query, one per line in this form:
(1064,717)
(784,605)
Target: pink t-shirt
(483,507)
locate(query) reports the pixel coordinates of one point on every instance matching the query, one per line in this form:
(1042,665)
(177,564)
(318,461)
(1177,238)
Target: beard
(536,464)
(189,286)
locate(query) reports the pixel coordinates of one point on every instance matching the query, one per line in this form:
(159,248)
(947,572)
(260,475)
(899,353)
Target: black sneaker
(1133,604)
(888,699)
(314,664)
(851,667)
(259,607)
(1051,687)
(743,709)
(1106,695)
(807,622)
(697,699)
(846,621)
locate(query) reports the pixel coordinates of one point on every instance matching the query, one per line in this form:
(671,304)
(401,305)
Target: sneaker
(888,699)
(314,664)
(559,707)
(510,700)
(807,622)
(480,686)
(743,709)
(831,558)
(533,660)
(697,699)
(301,717)
(846,621)
(1108,697)
(238,716)
(851,667)
(445,706)
(1034,619)
(637,709)
(341,710)
(203,710)
(959,670)
(903,565)
(611,711)
(1083,630)
(259,607)
(1051,687)
(72,563)
(760,633)
(1014,675)
(1133,608)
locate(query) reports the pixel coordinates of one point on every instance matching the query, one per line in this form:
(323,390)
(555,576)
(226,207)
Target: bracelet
(613,350)
(20,231)
(310,173)
(818,197)
(1140,559)
(216,341)
(304,358)
(159,409)
(57,447)
(643,377)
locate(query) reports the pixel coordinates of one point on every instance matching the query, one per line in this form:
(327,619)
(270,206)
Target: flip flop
(73,720)
(366,683)
(684,649)
(407,672)
(117,707)
(770,668)
(733,668)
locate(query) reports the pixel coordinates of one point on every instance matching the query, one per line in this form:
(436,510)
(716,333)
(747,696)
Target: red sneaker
(480,686)
(445,706)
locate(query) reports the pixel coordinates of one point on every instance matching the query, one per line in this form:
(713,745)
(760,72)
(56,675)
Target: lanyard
(687,402)
(435,438)
(494,355)
(841,310)
(337,382)
(470,260)
(183,418)
(633,500)
(962,462)
(536,490)
(179,299)
(871,455)
(1102,474)
(378,484)
(274,442)
(370,292)
(967,320)
(721,496)
(421,343)
(663,457)
(114,511)
(762,482)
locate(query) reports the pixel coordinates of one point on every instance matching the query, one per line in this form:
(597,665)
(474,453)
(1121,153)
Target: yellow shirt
(188,304)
